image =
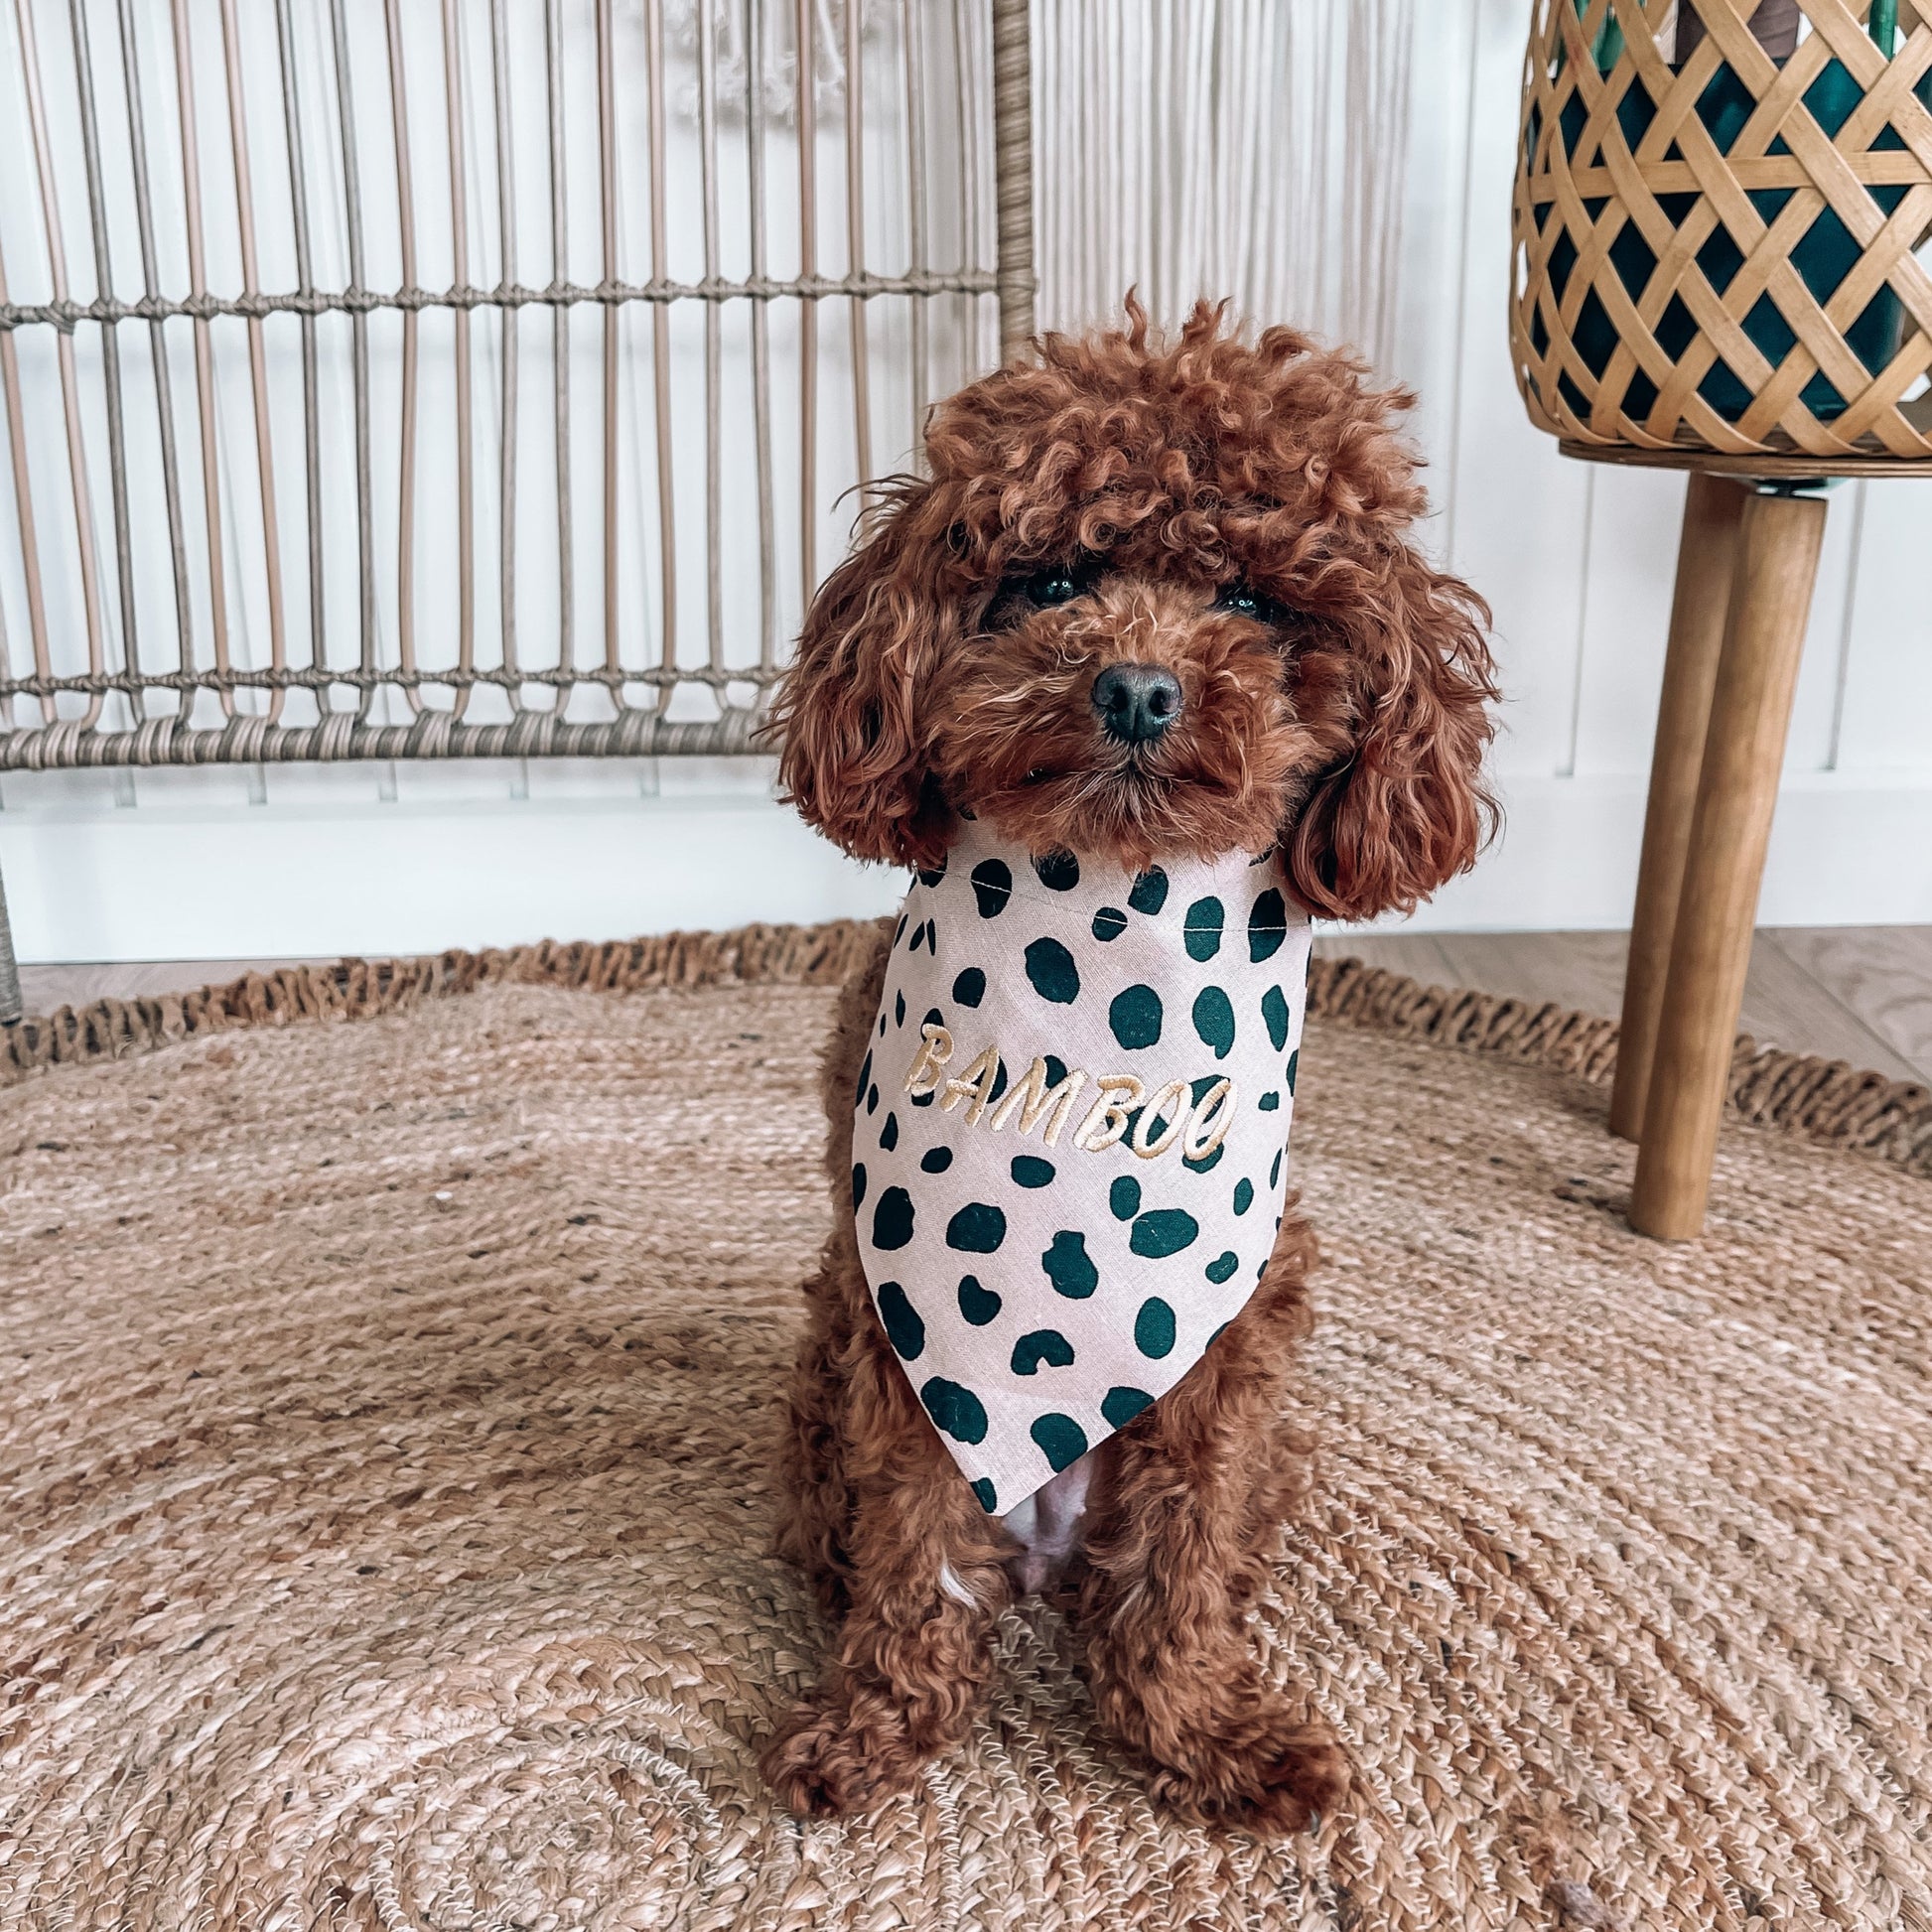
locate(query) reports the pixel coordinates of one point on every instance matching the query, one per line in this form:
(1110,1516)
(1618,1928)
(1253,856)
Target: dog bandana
(1070,1139)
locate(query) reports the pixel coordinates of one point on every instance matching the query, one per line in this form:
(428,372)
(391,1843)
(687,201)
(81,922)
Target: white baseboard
(415,874)
(402,877)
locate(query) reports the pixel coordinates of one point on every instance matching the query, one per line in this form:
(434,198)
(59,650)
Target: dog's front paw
(830,1760)
(1272,1779)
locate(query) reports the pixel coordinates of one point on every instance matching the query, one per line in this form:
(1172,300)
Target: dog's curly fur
(1238,514)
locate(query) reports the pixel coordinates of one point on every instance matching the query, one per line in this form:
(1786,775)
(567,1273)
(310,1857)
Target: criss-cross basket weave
(1718,255)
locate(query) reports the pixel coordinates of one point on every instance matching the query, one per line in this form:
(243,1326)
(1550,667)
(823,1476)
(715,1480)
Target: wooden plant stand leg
(1778,539)
(1706,556)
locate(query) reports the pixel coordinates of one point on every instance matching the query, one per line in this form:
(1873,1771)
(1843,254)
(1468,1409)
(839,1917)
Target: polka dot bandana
(1070,1139)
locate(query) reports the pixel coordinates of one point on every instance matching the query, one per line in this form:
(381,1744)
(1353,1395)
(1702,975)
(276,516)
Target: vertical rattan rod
(855,235)
(660,346)
(808,306)
(9,721)
(406,465)
(1706,557)
(30,549)
(1013,173)
(83,515)
(11,1007)
(714,507)
(967,176)
(359,358)
(912,17)
(506,278)
(305,278)
(110,353)
(163,396)
(560,341)
(465,537)
(606,179)
(761,340)
(257,347)
(191,169)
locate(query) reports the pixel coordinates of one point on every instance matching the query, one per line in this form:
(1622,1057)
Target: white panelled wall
(1576,560)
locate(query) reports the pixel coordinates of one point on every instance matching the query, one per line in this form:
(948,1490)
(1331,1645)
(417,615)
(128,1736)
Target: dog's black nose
(1137,702)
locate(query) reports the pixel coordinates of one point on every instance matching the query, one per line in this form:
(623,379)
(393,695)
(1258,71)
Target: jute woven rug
(385,1412)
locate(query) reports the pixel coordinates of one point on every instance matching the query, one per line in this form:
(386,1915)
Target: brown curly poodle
(1226,526)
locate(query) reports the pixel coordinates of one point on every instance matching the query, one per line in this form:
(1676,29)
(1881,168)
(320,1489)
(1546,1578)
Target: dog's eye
(1247,601)
(1060,584)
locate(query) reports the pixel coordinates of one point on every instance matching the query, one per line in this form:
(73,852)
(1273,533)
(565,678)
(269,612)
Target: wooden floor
(1861,994)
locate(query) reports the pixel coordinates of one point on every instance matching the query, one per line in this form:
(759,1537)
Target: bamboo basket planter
(1712,254)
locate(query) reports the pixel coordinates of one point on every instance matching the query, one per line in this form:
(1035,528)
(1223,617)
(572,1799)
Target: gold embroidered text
(1122,1108)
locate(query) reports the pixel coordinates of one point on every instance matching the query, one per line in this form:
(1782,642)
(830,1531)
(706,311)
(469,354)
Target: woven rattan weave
(1718,254)
(412,543)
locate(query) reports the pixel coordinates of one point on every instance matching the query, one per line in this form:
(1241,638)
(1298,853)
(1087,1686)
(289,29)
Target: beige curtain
(1244,148)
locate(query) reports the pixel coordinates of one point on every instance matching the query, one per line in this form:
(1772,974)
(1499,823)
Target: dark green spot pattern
(956,1412)
(1274,1010)
(892,1219)
(1267,926)
(1061,1441)
(1154,1329)
(978,1304)
(1135,1016)
(1163,1231)
(1046,1345)
(992,886)
(977,1229)
(1050,968)
(1203,924)
(1069,1266)
(1215,1021)
(903,1329)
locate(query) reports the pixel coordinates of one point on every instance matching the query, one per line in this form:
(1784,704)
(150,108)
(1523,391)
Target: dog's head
(1153,598)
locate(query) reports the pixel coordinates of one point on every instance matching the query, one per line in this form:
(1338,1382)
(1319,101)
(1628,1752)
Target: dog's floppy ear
(852,753)
(1407,810)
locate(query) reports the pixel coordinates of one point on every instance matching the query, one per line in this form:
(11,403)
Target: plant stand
(1712,270)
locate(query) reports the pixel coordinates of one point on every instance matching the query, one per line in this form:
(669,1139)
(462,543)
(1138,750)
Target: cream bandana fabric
(1070,1139)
